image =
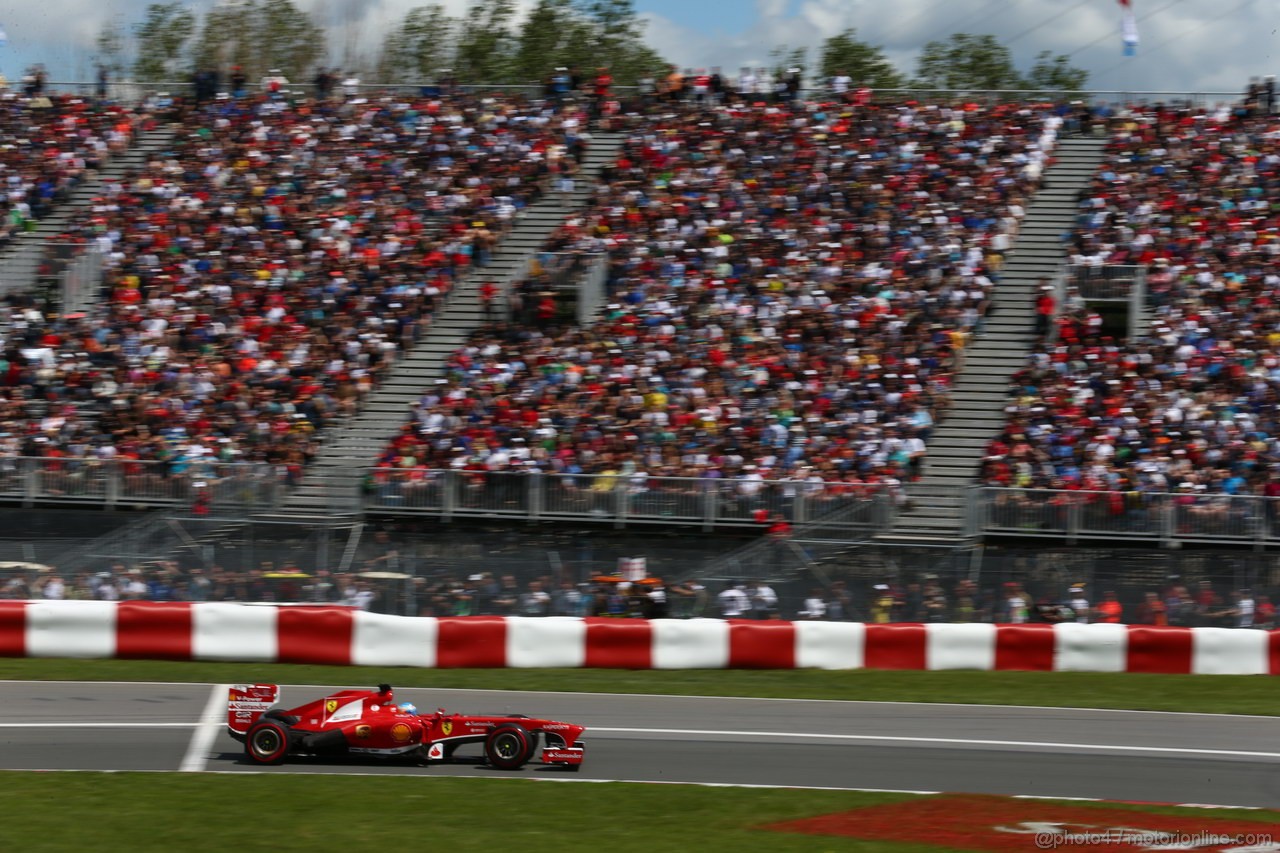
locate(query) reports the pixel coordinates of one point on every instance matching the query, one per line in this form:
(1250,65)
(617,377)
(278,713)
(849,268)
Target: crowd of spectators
(929,600)
(265,273)
(48,145)
(1189,406)
(793,288)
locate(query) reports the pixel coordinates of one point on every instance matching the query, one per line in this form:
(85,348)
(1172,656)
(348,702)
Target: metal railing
(113,483)
(609,498)
(1120,283)
(1186,516)
(837,511)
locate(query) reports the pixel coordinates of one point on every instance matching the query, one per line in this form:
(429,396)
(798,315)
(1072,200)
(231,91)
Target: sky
(1186,45)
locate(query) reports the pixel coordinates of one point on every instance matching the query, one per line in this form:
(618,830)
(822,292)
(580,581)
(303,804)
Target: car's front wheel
(267,742)
(508,747)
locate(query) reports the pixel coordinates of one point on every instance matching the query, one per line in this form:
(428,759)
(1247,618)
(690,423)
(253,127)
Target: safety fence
(1184,516)
(112,483)
(346,636)
(621,499)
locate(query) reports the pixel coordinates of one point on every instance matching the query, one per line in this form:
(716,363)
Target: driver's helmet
(408,708)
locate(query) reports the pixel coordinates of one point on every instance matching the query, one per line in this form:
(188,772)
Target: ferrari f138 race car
(370,722)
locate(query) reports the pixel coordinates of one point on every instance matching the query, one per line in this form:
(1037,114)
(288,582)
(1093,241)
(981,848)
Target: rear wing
(247,702)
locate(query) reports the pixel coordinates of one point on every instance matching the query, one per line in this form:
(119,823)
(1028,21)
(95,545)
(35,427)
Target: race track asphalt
(1158,757)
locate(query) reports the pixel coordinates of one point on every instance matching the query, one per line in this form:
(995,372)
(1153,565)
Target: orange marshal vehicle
(370,722)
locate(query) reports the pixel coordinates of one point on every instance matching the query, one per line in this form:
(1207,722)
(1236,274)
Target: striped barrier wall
(344,636)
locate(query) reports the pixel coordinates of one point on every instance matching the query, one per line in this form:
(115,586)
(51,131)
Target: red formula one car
(370,722)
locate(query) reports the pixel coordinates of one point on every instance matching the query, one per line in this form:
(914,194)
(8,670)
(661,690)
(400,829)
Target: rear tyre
(508,747)
(267,742)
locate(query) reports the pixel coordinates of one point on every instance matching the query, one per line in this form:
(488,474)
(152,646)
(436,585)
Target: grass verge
(172,811)
(161,811)
(1217,694)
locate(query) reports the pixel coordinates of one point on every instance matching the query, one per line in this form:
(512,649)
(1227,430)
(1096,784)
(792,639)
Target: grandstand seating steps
(332,479)
(981,390)
(20,261)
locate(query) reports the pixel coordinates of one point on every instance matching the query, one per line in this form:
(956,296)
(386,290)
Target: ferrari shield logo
(446,728)
(331,706)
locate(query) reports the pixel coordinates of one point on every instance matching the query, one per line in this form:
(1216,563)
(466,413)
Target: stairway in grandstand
(938,502)
(332,480)
(20,260)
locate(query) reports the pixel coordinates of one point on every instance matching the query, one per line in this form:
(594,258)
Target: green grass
(170,812)
(1219,694)
(195,812)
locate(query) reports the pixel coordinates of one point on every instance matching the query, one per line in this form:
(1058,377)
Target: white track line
(1095,747)
(207,729)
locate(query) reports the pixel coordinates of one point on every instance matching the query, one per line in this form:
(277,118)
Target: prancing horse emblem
(446,727)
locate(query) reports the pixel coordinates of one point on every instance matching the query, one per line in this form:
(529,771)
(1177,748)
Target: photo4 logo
(1056,836)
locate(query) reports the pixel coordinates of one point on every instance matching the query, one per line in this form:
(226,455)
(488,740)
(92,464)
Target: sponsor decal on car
(447,728)
(363,732)
(400,733)
(331,706)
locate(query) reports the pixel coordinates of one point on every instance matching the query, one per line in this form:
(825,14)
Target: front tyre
(267,742)
(508,747)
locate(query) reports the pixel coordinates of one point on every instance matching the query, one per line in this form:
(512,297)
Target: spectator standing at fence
(1109,611)
(1016,606)
(1265,618)
(1080,604)
(966,606)
(764,601)
(1244,609)
(536,601)
(815,606)
(881,604)
(733,601)
(839,603)
(54,589)
(1152,611)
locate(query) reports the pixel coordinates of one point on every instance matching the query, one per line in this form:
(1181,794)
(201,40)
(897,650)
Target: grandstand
(316,321)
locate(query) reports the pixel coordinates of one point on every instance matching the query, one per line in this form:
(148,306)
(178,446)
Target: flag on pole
(1128,28)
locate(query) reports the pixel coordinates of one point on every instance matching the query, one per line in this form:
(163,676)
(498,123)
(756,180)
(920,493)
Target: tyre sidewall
(502,733)
(276,756)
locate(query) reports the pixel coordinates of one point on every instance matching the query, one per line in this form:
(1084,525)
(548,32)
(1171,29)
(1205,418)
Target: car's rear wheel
(267,742)
(508,747)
